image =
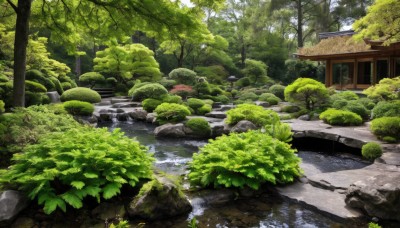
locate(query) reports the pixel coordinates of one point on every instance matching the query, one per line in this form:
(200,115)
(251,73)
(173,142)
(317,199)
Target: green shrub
(202,88)
(209,101)
(167,83)
(204,109)
(215,74)
(371,150)
(66,167)
(199,126)
(243,82)
(253,113)
(280,131)
(195,103)
(356,107)
(248,96)
(81,108)
(222,98)
(150,104)
(386,127)
(367,103)
(66,85)
(37,76)
(278,90)
(36,98)
(67,79)
(34,87)
(167,113)
(91,78)
(216,90)
(172,99)
(81,94)
(307,92)
(151,90)
(3,78)
(346,95)
(57,85)
(2,106)
(270,98)
(340,117)
(386,108)
(386,89)
(339,103)
(183,76)
(373,225)
(246,159)
(290,108)
(112,81)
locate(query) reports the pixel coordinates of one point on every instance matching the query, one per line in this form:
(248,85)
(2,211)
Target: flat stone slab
(126,104)
(327,202)
(216,114)
(119,100)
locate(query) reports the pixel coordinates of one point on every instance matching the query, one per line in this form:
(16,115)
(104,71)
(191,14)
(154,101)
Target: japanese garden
(199,113)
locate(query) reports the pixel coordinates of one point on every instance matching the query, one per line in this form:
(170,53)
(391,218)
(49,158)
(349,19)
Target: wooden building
(351,64)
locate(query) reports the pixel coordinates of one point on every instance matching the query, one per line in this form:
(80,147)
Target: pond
(268,210)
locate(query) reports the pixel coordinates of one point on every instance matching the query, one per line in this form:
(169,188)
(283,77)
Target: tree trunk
(181,56)
(300,42)
(78,64)
(21,41)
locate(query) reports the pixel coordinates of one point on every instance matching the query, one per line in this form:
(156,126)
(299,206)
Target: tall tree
(114,17)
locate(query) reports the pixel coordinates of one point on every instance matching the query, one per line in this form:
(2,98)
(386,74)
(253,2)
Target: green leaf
(110,190)
(78,184)
(51,205)
(72,200)
(91,175)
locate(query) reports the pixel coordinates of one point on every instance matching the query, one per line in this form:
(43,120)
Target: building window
(364,73)
(397,67)
(342,74)
(382,70)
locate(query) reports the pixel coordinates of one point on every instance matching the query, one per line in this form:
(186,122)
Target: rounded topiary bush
(290,108)
(66,85)
(57,85)
(167,83)
(253,113)
(80,108)
(386,108)
(367,103)
(345,95)
(340,117)
(34,87)
(308,93)
(81,94)
(172,99)
(195,103)
(278,90)
(171,113)
(91,78)
(37,76)
(199,126)
(371,150)
(36,98)
(222,98)
(3,78)
(150,104)
(204,109)
(246,159)
(270,98)
(151,90)
(356,107)
(386,128)
(66,167)
(183,76)
(248,96)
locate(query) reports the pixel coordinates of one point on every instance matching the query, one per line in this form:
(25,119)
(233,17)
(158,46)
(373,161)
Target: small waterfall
(54,97)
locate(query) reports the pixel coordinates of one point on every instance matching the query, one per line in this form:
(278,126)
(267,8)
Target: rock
(119,100)
(218,129)
(378,196)
(158,199)
(307,117)
(243,126)
(106,111)
(216,196)
(122,116)
(104,103)
(216,114)
(11,203)
(263,104)
(120,110)
(216,105)
(106,117)
(226,107)
(126,105)
(138,114)
(170,130)
(109,211)
(151,118)
(54,97)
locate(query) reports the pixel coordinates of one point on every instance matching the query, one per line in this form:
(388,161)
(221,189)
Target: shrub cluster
(37,76)
(386,89)
(386,128)
(183,76)
(34,87)
(2,106)
(199,126)
(91,78)
(386,108)
(81,108)
(340,117)
(246,159)
(270,98)
(169,112)
(81,94)
(150,104)
(66,167)
(371,150)
(253,113)
(278,90)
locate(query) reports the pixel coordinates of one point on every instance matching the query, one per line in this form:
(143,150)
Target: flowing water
(268,210)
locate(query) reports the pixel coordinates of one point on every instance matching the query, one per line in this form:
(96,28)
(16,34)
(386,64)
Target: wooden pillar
(373,80)
(355,72)
(328,73)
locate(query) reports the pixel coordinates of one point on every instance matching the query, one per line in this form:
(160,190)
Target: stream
(267,210)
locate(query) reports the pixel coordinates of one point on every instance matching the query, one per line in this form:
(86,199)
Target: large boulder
(378,196)
(11,203)
(170,130)
(243,126)
(138,114)
(159,199)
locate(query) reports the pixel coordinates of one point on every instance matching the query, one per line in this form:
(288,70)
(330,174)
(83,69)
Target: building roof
(324,35)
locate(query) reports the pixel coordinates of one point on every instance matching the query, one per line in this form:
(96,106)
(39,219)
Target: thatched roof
(335,45)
